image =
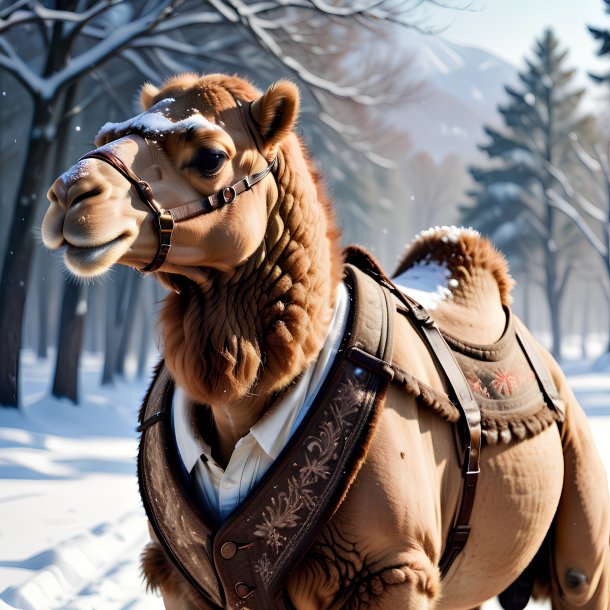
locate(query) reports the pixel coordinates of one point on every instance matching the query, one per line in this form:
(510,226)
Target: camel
(214,193)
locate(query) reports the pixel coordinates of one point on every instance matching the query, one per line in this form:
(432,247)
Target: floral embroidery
(264,568)
(322,450)
(504,382)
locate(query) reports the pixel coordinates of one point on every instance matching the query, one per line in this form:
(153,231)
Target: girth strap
(469,426)
(547,387)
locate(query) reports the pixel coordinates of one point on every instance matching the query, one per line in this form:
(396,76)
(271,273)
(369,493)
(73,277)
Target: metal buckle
(166,222)
(228,194)
(459,536)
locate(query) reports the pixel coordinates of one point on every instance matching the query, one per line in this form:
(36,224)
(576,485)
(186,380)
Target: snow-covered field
(71,522)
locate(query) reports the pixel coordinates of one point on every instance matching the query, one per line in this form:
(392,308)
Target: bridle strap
(225,196)
(164,220)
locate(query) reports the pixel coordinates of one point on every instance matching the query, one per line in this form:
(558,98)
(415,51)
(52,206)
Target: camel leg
(581,550)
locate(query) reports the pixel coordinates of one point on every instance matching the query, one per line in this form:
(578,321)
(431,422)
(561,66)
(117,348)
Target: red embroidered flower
(505,382)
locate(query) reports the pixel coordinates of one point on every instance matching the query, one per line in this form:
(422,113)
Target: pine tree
(604,49)
(512,202)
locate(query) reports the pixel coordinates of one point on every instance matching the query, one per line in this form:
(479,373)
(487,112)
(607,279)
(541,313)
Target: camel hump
(454,263)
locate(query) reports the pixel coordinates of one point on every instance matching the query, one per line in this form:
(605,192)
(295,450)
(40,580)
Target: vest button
(244,590)
(228,550)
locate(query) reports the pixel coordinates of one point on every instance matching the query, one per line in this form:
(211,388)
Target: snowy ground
(71,522)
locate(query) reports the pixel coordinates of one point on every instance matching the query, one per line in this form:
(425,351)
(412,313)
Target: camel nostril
(92,193)
(57,194)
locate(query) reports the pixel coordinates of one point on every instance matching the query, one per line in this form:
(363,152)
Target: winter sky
(508,28)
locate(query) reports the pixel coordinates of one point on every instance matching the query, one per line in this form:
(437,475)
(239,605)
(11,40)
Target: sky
(509,27)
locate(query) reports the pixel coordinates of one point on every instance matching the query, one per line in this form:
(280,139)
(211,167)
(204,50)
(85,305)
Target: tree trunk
(133,308)
(116,306)
(144,347)
(553,299)
(43,319)
(18,257)
(584,329)
(74,302)
(73,313)
(110,337)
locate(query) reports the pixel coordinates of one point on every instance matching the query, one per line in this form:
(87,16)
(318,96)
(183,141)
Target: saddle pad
(504,385)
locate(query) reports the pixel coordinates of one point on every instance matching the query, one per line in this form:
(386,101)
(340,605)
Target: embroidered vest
(245,562)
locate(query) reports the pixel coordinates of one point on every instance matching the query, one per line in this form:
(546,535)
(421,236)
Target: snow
(72,521)
(428,282)
(154,122)
(72,525)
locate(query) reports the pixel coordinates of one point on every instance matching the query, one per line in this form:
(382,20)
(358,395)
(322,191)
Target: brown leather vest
(245,562)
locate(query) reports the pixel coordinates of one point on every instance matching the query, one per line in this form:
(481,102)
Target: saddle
(245,563)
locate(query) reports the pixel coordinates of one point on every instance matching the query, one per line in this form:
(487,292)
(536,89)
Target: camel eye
(208,161)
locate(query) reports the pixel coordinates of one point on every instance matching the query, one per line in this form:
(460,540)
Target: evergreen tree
(604,49)
(529,155)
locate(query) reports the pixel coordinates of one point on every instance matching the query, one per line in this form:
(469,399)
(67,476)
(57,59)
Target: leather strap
(163,219)
(547,386)
(225,196)
(469,426)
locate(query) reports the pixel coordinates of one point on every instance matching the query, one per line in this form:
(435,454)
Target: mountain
(461,89)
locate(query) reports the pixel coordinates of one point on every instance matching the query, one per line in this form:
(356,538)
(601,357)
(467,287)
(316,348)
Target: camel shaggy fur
(252,288)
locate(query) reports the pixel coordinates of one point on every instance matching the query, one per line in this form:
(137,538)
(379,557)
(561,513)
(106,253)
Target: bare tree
(591,216)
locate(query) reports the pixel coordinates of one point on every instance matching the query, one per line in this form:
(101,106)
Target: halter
(165,220)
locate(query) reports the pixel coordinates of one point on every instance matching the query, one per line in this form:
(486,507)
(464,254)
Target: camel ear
(147,95)
(275,112)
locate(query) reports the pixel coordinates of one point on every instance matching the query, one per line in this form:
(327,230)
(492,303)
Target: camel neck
(236,344)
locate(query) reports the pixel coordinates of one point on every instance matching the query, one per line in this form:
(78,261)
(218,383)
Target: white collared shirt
(220,491)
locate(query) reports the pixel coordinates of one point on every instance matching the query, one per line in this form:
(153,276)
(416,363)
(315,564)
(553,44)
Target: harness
(165,220)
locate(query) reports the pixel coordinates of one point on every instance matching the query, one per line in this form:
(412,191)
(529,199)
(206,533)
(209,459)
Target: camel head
(196,136)
(254,259)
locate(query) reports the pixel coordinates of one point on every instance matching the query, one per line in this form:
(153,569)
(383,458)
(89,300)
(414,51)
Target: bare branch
(17,18)
(95,11)
(566,186)
(183,21)
(106,48)
(227,12)
(170,44)
(13,64)
(559,203)
(9,10)
(603,158)
(138,62)
(259,27)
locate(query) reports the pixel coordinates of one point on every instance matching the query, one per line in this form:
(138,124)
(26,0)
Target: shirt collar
(189,446)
